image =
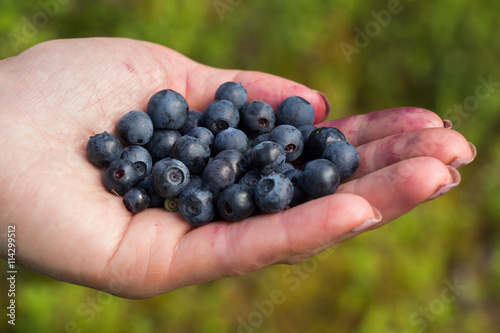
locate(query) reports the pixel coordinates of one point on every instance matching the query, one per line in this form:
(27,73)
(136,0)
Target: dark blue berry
(232,91)
(319,178)
(141,158)
(217,175)
(345,157)
(193,152)
(168,109)
(295,111)
(266,157)
(103,148)
(320,138)
(136,200)
(290,138)
(203,134)
(231,138)
(155,200)
(235,203)
(196,206)
(256,118)
(194,119)
(273,193)
(120,176)
(306,130)
(135,128)
(220,115)
(160,145)
(238,162)
(170,177)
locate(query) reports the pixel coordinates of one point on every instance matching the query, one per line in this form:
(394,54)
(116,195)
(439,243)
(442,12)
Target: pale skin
(57,94)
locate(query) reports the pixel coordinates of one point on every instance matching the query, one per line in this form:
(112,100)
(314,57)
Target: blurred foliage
(427,54)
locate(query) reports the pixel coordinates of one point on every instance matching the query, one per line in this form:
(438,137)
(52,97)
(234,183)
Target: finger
(226,249)
(398,188)
(363,128)
(260,86)
(446,145)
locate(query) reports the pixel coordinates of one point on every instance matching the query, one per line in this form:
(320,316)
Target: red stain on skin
(129,67)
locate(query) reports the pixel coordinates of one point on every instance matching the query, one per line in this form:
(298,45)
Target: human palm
(55,95)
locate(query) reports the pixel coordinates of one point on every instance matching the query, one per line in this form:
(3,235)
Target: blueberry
(103,148)
(135,128)
(290,138)
(196,206)
(238,162)
(170,177)
(345,157)
(319,178)
(261,138)
(231,138)
(266,157)
(320,138)
(120,176)
(273,193)
(235,203)
(220,115)
(217,175)
(160,145)
(257,117)
(194,119)
(141,158)
(299,196)
(250,179)
(306,130)
(203,134)
(232,91)
(136,200)
(155,200)
(168,109)
(295,111)
(193,152)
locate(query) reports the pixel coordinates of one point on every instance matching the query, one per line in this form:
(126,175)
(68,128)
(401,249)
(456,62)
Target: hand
(57,94)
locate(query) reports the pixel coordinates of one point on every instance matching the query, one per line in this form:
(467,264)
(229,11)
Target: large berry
(141,158)
(319,178)
(320,138)
(238,162)
(135,128)
(170,177)
(196,206)
(136,200)
(266,157)
(168,109)
(295,111)
(231,138)
(160,145)
(257,117)
(345,157)
(103,148)
(290,138)
(273,193)
(120,176)
(234,92)
(217,175)
(220,115)
(203,134)
(235,203)
(193,152)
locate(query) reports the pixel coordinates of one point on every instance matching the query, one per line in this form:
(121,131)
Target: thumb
(268,88)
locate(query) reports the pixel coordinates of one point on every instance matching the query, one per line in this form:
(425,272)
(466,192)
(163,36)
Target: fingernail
(377,217)
(447,123)
(458,162)
(327,104)
(455,180)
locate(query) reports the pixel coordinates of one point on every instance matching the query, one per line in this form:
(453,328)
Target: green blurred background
(396,279)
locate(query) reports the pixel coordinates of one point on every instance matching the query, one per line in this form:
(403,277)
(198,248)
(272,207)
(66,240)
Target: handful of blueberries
(231,161)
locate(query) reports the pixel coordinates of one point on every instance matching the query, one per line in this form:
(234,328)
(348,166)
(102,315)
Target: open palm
(57,94)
